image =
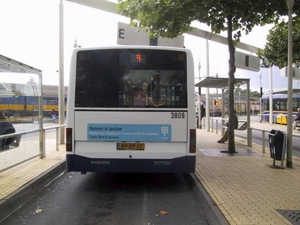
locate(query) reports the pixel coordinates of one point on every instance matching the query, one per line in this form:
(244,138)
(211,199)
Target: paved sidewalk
(244,187)
(21,182)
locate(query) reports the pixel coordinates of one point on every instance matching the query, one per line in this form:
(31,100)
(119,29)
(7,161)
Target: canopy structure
(222,83)
(214,82)
(8,65)
(11,65)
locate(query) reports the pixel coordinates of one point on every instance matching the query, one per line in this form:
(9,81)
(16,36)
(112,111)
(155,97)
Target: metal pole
(271,96)
(260,106)
(248,114)
(223,107)
(42,139)
(61,73)
(289,163)
(207,89)
(199,99)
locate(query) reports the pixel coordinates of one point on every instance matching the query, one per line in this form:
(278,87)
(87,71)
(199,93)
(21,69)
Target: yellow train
(22,106)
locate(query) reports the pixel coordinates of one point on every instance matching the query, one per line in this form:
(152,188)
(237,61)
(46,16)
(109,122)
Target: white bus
(131,109)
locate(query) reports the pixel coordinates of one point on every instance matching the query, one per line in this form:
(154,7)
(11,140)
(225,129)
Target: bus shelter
(15,89)
(222,83)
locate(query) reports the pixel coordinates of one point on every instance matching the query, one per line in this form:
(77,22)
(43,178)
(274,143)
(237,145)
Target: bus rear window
(131,78)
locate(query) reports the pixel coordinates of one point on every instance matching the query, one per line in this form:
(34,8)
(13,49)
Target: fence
(215,124)
(29,146)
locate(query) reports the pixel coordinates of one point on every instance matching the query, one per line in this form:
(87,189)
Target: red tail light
(68,139)
(192,140)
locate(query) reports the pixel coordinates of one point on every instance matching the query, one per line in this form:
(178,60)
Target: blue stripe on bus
(184,164)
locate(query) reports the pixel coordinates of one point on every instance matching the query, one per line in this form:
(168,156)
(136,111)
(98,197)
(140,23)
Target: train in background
(280,104)
(18,101)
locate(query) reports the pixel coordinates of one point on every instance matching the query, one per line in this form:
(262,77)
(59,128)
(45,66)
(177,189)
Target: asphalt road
(112,199)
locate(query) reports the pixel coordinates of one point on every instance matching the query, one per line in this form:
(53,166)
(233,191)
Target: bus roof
(295,91)
(280,96)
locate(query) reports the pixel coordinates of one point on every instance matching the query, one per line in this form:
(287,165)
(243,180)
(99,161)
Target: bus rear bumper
(185,164)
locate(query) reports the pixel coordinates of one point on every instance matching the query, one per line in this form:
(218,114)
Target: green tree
(244,92)
(170,18)
(254,94)
(275,51)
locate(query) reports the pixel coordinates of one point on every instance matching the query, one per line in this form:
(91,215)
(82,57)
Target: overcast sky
(29,34)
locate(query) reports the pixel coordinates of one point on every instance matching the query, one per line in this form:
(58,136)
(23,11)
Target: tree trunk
(232,68)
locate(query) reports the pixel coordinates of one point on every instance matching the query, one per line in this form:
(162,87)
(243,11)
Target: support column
(271,96)
(207,89)
(61,94)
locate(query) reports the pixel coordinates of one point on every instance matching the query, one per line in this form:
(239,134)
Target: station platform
(245,187)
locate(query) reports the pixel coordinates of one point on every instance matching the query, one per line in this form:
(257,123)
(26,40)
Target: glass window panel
(131,78)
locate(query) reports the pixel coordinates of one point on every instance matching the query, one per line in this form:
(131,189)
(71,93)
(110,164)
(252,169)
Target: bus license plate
(130,146)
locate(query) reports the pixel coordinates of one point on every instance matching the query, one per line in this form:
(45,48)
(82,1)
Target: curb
(212,213)
(13,201)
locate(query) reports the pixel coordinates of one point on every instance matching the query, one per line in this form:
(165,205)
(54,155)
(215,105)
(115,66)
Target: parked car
(6,127)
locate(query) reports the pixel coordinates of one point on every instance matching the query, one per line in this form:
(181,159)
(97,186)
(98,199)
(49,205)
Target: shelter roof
(29,89)
(295,91)
(214,82)
(11,65)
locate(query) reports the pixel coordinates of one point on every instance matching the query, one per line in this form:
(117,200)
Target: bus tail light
(68,139)
(192,140)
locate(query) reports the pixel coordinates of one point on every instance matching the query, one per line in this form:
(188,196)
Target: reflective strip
(68,139)
(192,140)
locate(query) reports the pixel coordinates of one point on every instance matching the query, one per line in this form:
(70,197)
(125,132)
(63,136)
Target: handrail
(18,133)
(262,139)
(249,138)
(57,135)
(42,154)
(53,127)
(223,127)
(240,127)
(264,136)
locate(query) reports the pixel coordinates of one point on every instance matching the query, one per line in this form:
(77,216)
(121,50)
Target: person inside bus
(142,98)
(236,124)
(297,119)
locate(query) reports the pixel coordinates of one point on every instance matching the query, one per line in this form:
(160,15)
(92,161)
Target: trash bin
(277,143)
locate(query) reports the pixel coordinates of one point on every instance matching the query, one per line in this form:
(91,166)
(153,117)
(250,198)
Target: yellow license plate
(130,146)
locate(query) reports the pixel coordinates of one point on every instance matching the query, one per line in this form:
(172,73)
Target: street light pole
(260,103)
(61,91)
(207,124)
(199,123)
(271,96)
(289,163)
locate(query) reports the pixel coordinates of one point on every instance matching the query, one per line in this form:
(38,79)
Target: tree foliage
(275,51)
(244,92)
(170,18)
